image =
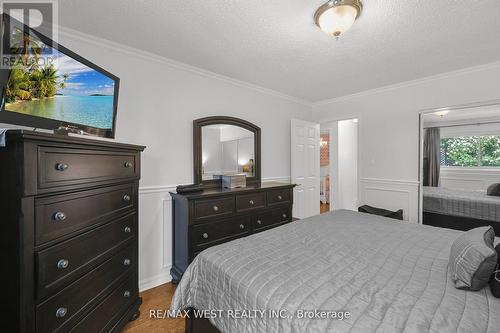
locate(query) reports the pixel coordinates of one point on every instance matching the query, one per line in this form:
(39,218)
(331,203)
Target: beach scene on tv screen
(60,88)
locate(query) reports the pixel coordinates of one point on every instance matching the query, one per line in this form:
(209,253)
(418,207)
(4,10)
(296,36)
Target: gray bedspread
(391,276)
(472,204)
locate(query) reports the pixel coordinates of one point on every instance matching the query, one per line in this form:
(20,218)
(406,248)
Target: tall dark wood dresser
(69,233)
(215,216)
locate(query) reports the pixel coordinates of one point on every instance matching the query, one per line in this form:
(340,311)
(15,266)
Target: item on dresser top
(232,181)
(183,189)
(3,131)
(70,233)
(473,258)
(493,189)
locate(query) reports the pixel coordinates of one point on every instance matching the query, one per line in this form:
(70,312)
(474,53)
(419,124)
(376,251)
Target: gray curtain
(432,156)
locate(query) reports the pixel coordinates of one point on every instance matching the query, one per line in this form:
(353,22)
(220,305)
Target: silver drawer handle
(284,216)
(126,198)
(259,222)
(61,312)
(242,226)
(126,262)
(280,197)
(251,202)
(61,166)
(128,165)
(216,209)
(127,230)
(59,216)
(205,235)
(126,293)
(63,264)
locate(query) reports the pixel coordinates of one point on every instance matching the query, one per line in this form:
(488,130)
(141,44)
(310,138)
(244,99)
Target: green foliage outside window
(471,151)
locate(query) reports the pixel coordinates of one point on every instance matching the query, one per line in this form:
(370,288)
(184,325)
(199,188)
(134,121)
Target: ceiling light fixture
(441,113)
(336,16)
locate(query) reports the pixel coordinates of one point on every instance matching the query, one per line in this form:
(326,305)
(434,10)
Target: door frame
(334,166)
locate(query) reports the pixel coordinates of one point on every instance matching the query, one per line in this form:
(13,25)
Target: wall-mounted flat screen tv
(48,86)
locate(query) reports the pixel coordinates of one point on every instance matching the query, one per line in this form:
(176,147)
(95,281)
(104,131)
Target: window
(471,151)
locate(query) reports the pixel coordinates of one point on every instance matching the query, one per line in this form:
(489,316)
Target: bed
(391,276)
(460,209)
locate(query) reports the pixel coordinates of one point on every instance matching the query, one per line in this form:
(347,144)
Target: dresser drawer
(105,315)
(204,208)
(65,262)
(250,201)
(278,197)
(282,215)
(66,166)
(60,215)
(209,233)
(270,219)
(62,310)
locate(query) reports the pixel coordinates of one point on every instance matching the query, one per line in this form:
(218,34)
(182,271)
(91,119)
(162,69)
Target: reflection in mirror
(227,149)
(460,167)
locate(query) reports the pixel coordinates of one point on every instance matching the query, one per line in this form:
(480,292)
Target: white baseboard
(155,281)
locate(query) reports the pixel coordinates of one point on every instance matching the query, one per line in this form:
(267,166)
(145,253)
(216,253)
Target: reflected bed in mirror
(227,149)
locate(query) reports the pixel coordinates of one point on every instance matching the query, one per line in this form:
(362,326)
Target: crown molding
(452,74)
(131,51)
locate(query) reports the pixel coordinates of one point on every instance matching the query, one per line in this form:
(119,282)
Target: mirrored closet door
(460,167)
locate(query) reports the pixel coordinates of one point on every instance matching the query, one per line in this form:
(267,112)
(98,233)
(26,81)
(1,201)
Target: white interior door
(305,168)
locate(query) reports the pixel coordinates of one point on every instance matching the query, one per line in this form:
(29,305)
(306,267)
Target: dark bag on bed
(398,215)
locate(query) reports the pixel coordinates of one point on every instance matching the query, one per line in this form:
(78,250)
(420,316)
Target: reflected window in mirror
(227,149)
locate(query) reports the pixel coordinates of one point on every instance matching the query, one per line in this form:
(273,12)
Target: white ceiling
(275,44)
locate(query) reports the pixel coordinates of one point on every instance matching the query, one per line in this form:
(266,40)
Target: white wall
(229,133)
(347,180)
(468,178)
(158,101)
(389,126)
(470,130)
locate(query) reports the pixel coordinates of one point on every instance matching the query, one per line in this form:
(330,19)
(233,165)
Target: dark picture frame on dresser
(198,125)
(69,233)
(215,215)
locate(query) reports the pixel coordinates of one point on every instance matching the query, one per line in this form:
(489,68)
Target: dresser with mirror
(213,214)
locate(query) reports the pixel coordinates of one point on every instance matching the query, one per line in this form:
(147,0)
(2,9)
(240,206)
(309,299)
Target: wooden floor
(324,207)
(156,299)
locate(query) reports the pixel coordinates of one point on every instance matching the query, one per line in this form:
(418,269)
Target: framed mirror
(225,145)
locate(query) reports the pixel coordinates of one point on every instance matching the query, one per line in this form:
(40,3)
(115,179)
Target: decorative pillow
(495,278)
(493,189)
(473,258)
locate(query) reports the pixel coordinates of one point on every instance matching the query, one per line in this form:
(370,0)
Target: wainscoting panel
(392,195)
(155,244)
(155,233)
